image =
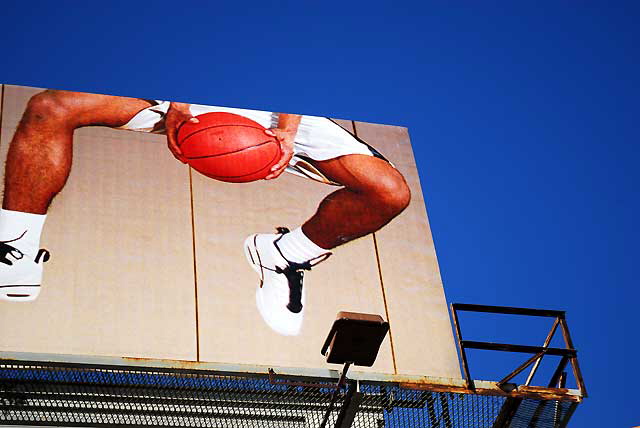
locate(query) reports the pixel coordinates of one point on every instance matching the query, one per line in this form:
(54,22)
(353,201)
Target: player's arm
(285,133)
(177,114)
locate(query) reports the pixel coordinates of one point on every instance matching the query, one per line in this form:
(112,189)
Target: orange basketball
(228,147)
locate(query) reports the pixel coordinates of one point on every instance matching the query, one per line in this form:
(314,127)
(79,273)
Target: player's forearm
(289,122)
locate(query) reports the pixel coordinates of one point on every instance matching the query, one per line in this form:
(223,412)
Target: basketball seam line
(220,126)
(230,153)
(236,176)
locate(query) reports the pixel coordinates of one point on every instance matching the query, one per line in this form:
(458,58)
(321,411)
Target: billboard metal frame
(329,397)
(568,354)
(124,393)
(298,375)
(555,390)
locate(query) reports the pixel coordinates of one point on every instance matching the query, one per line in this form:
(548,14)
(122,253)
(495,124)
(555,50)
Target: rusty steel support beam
(507,310)
(558,380)
(461,348)
(431,409)
(547,341)
(568,354)
(533,392)
(557,375)
(533,423)
(446,414)
(567,416)
(577,374)
(520,368)
(562,382)
(507,412)
(490,346)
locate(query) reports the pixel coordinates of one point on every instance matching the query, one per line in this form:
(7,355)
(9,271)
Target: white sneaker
(280,297)
(20,276)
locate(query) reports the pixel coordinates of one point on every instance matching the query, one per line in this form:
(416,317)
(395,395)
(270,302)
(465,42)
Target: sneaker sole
(19,293)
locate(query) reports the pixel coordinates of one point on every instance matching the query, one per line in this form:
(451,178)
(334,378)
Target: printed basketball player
(38,163)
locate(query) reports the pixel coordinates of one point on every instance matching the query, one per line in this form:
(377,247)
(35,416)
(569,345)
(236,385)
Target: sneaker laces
(295,273)
(295,277)
(6,250)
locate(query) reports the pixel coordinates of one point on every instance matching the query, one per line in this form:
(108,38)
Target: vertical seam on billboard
(384,295)
(384,299)
(195,270)
(1,106)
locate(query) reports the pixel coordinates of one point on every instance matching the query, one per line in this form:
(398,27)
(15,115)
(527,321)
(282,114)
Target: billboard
(113,244)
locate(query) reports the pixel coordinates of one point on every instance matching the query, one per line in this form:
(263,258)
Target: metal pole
(334,397)
(350,406)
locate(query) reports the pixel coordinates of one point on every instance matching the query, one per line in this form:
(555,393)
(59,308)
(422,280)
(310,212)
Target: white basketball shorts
(318,138)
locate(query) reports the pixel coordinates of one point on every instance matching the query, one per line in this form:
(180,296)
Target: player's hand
(286,139)
(177,115)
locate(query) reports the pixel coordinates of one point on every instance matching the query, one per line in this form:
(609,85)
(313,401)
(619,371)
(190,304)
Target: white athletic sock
(297,248)
(14,224)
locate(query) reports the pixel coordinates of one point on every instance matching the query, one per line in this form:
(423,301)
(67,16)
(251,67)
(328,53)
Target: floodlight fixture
(355,338)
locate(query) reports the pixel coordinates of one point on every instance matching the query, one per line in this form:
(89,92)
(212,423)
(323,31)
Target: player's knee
(47,106)
(393,192)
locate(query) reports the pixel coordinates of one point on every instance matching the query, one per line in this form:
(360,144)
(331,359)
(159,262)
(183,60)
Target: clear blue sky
(521,118)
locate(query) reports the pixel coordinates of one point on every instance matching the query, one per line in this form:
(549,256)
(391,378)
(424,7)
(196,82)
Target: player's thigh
(79,109)
(362,173)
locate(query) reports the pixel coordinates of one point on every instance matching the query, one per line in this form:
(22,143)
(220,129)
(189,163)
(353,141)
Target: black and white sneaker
(20,275)
(280,297)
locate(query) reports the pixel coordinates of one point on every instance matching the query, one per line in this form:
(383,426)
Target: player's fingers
(181,120)
(280,167)
(284,159)
(184,118)
(174,151)
(177,154)
(277,173)
(274,174)
(172,143)
(278,134)
(180,158)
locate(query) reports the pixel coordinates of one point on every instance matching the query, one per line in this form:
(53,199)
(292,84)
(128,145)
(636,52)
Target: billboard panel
(151,259)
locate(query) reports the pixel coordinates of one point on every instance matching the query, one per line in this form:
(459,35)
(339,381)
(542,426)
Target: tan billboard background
(147,261)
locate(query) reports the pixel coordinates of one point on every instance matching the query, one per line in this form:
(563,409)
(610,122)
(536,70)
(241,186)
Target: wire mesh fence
(64,394)
(399,407)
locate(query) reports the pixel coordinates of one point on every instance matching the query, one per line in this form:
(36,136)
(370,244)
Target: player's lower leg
(373,195)
(37,167)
